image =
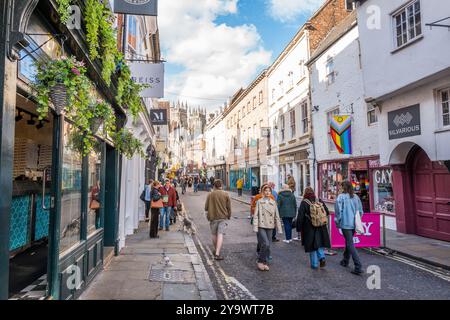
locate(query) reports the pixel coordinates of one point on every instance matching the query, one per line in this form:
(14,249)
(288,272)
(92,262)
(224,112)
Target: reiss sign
(370,239)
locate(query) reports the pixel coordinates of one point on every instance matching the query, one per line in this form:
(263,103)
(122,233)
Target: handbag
(358,223)
(142,197)
(94,205)
(157,204)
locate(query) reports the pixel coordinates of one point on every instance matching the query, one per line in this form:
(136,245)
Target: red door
(432,198)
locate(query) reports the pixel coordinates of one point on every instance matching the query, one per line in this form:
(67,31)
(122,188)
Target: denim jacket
(345,211)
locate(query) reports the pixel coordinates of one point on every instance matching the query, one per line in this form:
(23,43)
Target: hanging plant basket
(95,124)
(58,95)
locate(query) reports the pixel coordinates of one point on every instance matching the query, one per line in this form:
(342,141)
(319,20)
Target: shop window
(70,230)
(332,175)
(383,191)
(94,188)
(445,106)
(292,120)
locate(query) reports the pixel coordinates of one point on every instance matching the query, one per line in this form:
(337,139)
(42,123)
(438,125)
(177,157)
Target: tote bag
(157,204)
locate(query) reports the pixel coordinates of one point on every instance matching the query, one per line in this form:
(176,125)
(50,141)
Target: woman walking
(156,205)
(347,206)
(265,220)
(287,206)
(312,222)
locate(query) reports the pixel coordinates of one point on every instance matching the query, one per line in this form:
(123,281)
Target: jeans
(147,209)
(164,221)
(350,249)
(240,192)
(287,222)
(315,257)
(195,187)
(264,244)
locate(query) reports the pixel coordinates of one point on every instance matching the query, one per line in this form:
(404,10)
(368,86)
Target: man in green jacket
(218,209)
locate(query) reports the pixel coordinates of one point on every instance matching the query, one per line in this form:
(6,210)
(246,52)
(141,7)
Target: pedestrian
(190,182)
(346,207)
(94,204)
(265,220)
(291,183)
(255,200)
(312,222)
(240,186)
(173,217)
(170,201)
(147,199)
(183,183)
(196,183)
(275,196)
(156,206)
(287,207)
(218,212)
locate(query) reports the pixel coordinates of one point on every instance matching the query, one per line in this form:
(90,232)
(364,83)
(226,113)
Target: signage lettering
(404,123)
(383,176)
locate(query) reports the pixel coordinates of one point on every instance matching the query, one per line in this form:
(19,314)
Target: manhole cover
(175,276)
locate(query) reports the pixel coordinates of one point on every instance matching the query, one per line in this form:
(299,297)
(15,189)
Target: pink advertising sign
(370,239)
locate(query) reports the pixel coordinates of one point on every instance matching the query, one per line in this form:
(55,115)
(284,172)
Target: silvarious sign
(371,238)
(404,123)
(150,74)
(158,117)
(136,7)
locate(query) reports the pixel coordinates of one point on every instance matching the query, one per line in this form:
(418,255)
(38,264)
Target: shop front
(297,165)
(372,182)
(59,208)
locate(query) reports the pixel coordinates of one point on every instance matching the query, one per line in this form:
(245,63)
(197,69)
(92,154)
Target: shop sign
(404,122)
(151,75)
(374,164)
(371,238)
(136,7)
(358,165)
(160,146)
(383,176)
(158,117)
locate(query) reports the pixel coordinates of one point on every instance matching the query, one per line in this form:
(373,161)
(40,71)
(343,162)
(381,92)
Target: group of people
(163,202)
(272,211)
(189,181)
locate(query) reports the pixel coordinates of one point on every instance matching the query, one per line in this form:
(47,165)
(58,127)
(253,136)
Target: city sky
(214,47)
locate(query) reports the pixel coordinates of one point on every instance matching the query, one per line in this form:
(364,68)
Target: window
(70,227)
(330,71)
(349,5)
(282,127)
(239,115)
(273,94)
(305,117)
(132,32)
(445,106)
(248,107)
(94,169)
(330,115)
(292,120)
(243,112)
(302,69)
(371,115)
(383,195)
(408,24)
(281,85)
(261,97)
(291,80)
(254,102)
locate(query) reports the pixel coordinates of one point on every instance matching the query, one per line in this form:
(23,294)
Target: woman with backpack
(287,206)
(312,222)
(346,208)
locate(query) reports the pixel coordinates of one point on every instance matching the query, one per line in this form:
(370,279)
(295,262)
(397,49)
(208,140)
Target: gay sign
(370,239)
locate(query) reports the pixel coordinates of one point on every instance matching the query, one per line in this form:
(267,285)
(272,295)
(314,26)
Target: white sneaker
(295,239)
(286,241)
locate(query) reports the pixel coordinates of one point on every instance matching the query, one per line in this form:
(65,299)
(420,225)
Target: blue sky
(215,47)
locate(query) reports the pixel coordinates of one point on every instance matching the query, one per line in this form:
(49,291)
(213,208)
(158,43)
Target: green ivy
(93,15)
(127,144)
(128,92)
(63,10)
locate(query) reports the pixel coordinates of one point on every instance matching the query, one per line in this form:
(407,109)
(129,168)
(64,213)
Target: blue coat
(345,211)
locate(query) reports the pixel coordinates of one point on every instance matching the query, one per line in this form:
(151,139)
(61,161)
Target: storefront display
(383,191)
(332,174)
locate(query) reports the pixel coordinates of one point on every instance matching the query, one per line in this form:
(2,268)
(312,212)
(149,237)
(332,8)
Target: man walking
(218,211)
(169,197)
(196,183)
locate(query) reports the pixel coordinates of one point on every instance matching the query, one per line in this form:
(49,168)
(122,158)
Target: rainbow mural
(341,133)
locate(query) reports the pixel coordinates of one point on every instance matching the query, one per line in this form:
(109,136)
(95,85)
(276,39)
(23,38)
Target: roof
(334,35)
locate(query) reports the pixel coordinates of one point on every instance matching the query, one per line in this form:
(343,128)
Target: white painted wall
(386,71)
(216,130)
(347,90)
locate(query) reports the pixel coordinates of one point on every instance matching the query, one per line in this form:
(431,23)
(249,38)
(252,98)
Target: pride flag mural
(341,133)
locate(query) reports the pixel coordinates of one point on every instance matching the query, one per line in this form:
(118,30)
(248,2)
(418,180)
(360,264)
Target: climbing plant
(63,10)
(93,15)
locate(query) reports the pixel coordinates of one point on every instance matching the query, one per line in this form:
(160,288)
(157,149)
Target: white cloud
(215,59)
(289,10)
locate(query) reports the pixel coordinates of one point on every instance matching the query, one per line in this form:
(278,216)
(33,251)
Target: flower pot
(95,124)
(58,95)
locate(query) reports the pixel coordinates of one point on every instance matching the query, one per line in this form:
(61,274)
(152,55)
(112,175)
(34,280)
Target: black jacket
(313,238)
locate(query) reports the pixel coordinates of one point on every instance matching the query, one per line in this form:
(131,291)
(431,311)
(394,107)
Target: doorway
(30,208)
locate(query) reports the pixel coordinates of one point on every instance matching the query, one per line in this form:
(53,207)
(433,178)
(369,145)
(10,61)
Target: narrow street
(290,277)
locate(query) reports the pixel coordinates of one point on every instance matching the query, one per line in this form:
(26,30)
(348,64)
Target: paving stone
(180,292)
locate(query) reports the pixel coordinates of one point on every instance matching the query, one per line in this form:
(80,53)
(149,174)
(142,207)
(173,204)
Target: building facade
(411,93)
(215,139)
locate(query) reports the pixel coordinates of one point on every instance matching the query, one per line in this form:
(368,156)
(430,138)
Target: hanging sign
(158,117)
(150,74)
(136,7)
(341,133)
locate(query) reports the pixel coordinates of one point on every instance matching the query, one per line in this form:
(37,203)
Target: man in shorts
(218,212)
